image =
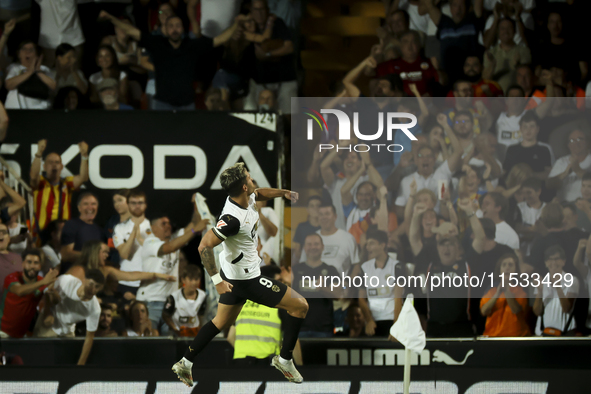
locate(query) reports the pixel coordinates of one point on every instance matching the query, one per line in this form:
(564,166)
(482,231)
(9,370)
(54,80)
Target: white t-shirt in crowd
(21,246)
(340,250)
(14,100)
(530,215)
(71,309)
(508,129)
(553,315)
(337,201)
(571,185)
(380,298)
(97,77)
(505,235)
(121,233)
(186,311)
(59,23)
(441,173)
(157,289)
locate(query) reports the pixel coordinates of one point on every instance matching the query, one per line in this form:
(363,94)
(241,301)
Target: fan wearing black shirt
(175,58)
(536,154)
(319,321)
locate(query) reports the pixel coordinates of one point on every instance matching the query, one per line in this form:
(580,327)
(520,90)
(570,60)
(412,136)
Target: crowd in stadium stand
(516,171)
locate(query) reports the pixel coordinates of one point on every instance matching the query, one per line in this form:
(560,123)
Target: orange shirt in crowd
(503,322)
(538,97)
(359,228)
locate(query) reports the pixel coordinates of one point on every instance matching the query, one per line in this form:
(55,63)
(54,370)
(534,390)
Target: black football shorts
(262,290)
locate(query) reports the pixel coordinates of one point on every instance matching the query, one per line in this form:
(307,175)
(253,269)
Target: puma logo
(191,349)
(441,357)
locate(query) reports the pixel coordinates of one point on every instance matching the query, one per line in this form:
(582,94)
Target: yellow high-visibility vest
(258,331)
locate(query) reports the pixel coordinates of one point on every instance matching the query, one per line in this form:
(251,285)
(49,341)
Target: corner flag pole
(406,385)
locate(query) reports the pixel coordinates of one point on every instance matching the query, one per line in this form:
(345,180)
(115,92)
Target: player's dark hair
(106,306)
(489,227)
(270,271)
(83,195)
(34,252)
(137,193)
(96,275)
(532,183)
(233,178)
(192,271)
(529,116)
(377,235)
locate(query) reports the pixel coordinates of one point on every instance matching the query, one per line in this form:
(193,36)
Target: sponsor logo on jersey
(275,288)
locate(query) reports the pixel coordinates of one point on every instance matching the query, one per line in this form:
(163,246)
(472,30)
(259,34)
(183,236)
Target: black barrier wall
(346,380)
(170,155)
(509,354)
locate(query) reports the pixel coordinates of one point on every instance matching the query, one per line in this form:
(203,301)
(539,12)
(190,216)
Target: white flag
(407,329)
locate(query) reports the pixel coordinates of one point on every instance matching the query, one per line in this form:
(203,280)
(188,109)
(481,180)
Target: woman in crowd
(127,52)
(120,205)
(139,322)
(106,59)
(29,83)
(66,69)
(505,306)
(95,254)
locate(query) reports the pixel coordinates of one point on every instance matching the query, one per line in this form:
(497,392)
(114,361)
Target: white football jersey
(237,227)
(381,297)
(185,311)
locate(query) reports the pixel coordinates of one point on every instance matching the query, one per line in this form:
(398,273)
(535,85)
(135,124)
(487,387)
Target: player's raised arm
(264,194)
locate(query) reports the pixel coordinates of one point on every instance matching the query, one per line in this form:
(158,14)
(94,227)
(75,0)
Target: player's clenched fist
(223,287)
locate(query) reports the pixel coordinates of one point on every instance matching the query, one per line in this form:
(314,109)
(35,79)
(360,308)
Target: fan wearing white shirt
(494,206)
(160,253)
(72,301)
(554,304)
(531,210)
(567,173)
(380,304)
(129,236)
(183,305)
(426,176)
